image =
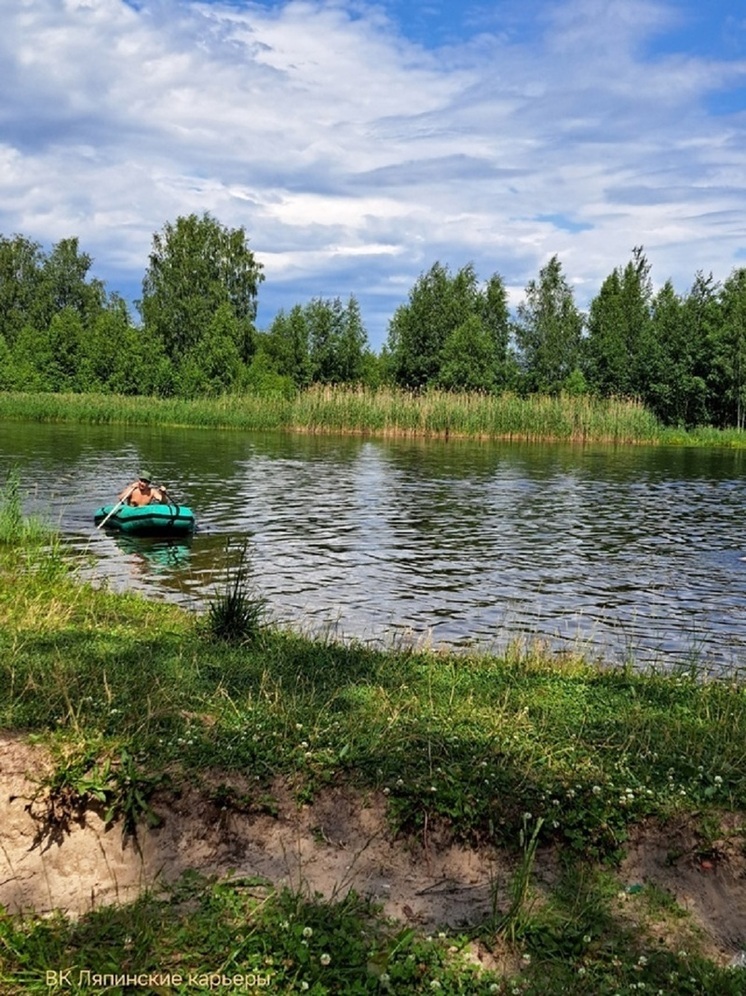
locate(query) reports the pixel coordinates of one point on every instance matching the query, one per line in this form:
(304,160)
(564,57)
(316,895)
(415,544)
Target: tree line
(682,355)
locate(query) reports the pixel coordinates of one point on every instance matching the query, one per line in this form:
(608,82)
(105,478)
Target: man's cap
(146,476)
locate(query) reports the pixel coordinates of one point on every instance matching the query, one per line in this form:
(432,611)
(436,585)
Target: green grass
(383,412)
(518,751)
(202,931)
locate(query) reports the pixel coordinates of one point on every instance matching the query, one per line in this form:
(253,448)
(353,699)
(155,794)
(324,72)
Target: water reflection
(155,554)
(616,550)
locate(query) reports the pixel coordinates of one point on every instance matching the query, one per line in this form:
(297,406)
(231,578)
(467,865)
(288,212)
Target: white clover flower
(596,790)
(435,984)
(526,958)
(325,959)
(308,931)
(718,780)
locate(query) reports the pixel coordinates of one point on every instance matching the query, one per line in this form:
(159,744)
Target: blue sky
(360,142)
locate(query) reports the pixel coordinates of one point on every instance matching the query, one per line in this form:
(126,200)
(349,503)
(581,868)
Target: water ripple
(617,551)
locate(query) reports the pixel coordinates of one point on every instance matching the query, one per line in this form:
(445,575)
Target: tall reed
(17,529)
(386,412)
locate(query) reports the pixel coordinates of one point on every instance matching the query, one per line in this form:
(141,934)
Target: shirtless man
(141,492)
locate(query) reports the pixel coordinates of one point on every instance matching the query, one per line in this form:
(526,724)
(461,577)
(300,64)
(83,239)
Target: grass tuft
(237,613)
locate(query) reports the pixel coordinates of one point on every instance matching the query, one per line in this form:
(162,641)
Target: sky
(358,142)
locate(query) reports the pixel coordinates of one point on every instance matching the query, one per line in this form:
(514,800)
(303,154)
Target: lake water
(620,552)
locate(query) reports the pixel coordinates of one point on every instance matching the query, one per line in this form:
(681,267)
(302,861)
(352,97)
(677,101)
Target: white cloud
(355,159)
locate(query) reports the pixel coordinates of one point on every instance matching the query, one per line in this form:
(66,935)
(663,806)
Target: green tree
(352,344)
(667,370)
(438,305)
(197,265)
(324,320)
(33,360)
(468,358)
(7,370)
(65,334)
(20,273)
(492,309)
(677,359)
(104,350)
(548,330)
(286,344)
(701,319)
(730,348)
(64,285)
(218,355)
(617,348)
(262,377)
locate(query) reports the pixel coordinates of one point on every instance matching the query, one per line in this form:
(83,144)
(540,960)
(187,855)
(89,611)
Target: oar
(115,509)
(167,495)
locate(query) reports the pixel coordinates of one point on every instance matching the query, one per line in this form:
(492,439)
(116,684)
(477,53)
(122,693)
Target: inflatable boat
(153,520)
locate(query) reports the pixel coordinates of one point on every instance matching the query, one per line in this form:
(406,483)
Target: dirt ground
(340,842)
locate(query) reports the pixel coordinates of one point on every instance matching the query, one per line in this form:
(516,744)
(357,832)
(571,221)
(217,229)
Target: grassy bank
(384,412)
(522,753)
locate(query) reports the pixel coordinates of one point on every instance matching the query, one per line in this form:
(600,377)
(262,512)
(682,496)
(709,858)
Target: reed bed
(387,412)
(506,416)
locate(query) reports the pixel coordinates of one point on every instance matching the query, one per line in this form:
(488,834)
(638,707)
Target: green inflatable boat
(146,520)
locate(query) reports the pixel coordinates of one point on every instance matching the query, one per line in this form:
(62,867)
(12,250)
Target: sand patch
(340,842)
